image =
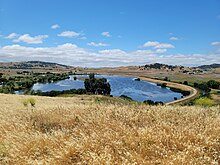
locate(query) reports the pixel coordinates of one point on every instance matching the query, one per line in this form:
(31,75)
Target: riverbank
(193,92)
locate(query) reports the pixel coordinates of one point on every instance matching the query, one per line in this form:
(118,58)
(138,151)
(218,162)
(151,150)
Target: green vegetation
(159,66)
(183,92)
(213,84)
(126,97)
(166,79)
(185,82)
(163,85)
(23,80)
(203,87)
(115,100)
(58,93)
(204,101)
(97,86)
(19,83)
(92,86)
(150,102)
(30,101)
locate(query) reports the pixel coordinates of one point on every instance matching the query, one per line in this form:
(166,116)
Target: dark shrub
(126,97)
(164,85)
(185,82)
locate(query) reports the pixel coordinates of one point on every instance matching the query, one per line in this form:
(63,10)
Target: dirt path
(193,92)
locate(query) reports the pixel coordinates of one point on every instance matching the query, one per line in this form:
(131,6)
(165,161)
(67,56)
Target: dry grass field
(94,130)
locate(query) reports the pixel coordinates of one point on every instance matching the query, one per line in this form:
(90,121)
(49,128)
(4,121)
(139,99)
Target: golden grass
(80,131)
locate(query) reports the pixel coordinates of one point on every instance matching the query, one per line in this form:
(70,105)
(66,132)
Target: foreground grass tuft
(87,131)
(32,102)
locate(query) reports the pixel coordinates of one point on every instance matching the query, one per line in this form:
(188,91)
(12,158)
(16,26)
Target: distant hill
(166,66)
(212,66)
(33,65)
(160,66)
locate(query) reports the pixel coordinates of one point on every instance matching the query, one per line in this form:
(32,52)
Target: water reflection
(120,85)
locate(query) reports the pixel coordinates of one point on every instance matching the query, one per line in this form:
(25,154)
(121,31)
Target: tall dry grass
(80,131)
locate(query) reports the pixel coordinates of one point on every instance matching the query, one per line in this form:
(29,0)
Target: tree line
(18,83)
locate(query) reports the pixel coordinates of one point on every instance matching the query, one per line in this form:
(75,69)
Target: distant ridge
(53,65)
(45,63)
(32,65)
(211,66)
(162,66)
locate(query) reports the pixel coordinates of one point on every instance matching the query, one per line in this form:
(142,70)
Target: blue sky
(110,32)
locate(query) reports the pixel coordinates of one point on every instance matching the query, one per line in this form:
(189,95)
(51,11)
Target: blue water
(120,85)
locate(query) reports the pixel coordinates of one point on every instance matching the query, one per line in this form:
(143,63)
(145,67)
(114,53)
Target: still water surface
(120,85)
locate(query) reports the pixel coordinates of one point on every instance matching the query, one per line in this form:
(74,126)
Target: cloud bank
(72,54)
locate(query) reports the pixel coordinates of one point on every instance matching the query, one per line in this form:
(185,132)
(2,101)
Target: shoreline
(193,92)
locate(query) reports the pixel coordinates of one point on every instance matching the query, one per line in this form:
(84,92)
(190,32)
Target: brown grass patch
(70,131)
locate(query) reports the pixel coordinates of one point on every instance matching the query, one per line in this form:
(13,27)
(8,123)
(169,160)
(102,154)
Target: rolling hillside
(33,65)
(212,66)
(101,130)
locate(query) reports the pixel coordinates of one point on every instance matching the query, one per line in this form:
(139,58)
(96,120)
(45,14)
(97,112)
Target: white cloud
(12,35)
(215,43)
(69,34)
(71,54)
(161,51)
(112,51)
(106,34)
(157,45)
(55,26)
(83,38)
(97,44)
(31,40)
(150,52)
(174,38)
(151,44)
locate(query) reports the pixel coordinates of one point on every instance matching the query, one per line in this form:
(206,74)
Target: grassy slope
(99,131)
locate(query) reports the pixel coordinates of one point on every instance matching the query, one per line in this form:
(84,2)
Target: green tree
(97,86)
(213,84)
(204,88)
(185,82)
